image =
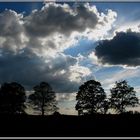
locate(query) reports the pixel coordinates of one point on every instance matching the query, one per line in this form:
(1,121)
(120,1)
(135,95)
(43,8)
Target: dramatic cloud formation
(32,46)
(31,70)
(57,27)
(54,18)
(123,49)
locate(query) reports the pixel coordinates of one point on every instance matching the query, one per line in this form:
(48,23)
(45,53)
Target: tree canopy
(12,98)
(43,98)
(91,98)
(122,96)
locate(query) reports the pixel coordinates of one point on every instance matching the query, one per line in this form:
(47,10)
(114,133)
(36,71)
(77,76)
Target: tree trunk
(42,107)
(122,109)
(80,112)
(92,111)
(42,110)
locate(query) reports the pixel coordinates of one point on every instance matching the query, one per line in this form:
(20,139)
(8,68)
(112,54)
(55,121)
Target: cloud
(54,28)
(11,33)
(79,73)
(123,49)
(54,19)
(67,103)
(93,58)
(58,18)
(65,97)
(29,70)
(68,110)
(57,27)
(32,46)
(10,23)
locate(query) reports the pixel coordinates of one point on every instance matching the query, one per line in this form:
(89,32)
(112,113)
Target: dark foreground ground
(70,126)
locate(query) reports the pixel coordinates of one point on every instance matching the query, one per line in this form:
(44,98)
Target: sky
(66,44)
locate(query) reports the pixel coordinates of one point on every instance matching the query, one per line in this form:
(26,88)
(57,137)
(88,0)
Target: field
(70,126)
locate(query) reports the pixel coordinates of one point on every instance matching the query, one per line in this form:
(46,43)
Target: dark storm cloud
(60,18)
(29,71)
(123,49)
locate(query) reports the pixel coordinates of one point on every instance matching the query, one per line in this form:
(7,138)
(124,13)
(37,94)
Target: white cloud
(106,23)
(79,73)
(133,26)
(11,33)
(93,58)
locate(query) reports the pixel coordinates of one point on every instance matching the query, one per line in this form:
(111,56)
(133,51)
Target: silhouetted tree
(106,105)
(56,113)
(91,98)
(122,96)
(43,98)
(12,98)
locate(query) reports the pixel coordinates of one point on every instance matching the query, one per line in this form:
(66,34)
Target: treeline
(91,98)
(13,98)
